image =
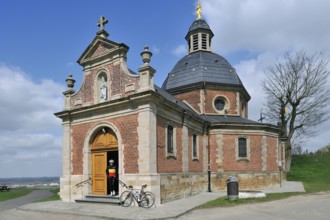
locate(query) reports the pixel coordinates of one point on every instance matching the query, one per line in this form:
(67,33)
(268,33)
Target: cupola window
(204,42)
(195,42)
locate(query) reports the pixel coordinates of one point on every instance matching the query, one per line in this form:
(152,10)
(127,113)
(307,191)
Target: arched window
(170,134)
(170,145)
(194,146)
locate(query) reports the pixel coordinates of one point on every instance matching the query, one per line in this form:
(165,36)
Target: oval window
(219,104)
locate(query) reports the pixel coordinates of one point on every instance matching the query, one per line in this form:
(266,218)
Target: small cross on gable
(103,21)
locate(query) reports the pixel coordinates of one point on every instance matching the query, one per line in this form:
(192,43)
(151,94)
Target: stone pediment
(100,48)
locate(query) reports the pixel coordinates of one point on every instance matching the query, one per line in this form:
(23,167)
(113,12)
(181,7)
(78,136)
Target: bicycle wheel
(126,199)
(147,200)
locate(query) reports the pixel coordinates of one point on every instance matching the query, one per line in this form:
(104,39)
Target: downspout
(209,159)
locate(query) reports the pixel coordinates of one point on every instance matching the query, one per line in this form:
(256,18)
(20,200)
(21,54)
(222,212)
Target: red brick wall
(165,165)
(79,133)
(119,80)
(230,163)
(229,154)
(211,94)
(192,97)
(271,154)
(127,127)
(85,93)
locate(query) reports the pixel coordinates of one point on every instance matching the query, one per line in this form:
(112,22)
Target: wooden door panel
(99,162)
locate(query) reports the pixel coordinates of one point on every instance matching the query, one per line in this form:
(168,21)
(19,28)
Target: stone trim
(87,154)
(226,107)
(219,161)
(244,132)
(238,106)
(185,149)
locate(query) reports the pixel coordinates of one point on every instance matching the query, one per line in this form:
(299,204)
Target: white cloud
(265,30)
(27,124)
(277,25)
(26,105)
(180,50)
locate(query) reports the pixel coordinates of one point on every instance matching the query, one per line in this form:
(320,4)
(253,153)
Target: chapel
(183,138)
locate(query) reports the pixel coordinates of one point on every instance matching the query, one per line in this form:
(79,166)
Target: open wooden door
(104,143)
(99,177)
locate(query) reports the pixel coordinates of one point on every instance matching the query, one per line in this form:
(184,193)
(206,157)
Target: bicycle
(144,199)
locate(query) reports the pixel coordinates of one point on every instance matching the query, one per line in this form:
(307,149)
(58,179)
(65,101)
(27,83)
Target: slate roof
(228,119)
(199,24)
(201,66)
(171,98)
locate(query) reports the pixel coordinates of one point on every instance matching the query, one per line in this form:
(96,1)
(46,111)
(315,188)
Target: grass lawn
(312,170)
(224,202)
(14,193)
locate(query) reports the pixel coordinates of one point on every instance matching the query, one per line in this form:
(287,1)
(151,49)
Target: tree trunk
(288,157)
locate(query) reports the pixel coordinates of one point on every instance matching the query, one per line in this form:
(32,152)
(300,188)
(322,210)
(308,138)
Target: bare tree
(297,96)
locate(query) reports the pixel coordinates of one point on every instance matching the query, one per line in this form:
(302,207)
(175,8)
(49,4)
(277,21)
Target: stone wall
(246,180)
(179,185)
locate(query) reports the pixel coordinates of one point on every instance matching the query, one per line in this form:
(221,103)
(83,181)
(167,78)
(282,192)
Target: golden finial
(199,11)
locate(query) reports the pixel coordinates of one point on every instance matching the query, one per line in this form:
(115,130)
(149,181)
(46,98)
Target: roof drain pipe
(209,160)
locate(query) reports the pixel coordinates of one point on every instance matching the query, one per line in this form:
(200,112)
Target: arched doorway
(104,148)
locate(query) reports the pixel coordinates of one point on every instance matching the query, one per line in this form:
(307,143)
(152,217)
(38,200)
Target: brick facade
(210,95)
(127,127)
(167,164)
(195,165)
(193,98)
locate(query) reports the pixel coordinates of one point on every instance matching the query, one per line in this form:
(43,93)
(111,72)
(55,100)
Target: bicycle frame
(143,199)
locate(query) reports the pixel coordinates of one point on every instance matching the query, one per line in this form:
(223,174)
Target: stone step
(100,199)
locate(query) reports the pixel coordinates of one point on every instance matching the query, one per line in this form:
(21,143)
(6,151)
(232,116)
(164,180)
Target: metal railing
(89,181)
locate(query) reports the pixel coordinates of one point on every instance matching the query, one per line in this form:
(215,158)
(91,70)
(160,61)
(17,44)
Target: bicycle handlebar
(130,186)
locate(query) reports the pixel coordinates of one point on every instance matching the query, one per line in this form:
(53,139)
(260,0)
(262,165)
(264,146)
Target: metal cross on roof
(102,22)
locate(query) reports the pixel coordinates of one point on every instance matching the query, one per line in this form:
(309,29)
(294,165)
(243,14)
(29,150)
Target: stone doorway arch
(103,143)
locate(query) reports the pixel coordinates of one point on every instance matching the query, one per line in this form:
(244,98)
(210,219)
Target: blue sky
(40,42)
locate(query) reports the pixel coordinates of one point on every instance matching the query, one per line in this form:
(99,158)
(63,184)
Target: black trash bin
(232,188)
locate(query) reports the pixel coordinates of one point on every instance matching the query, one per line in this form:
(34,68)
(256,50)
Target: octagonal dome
(201,66)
